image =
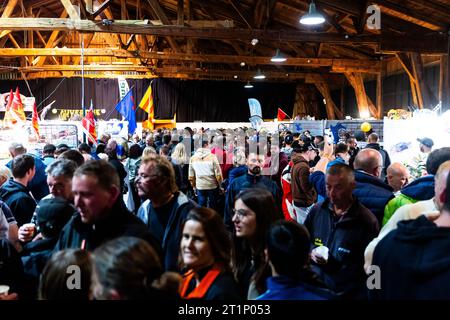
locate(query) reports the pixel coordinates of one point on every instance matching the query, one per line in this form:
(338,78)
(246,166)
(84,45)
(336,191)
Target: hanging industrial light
(259,75)
(278,57)
(312,17)
(248,85)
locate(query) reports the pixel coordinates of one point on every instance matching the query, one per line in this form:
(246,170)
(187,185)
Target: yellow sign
(68,114)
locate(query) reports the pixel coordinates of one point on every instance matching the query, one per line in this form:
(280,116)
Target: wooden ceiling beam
(40,61)
(103,7)
(158,10)
(352,8)
(7,13)
(435,43)
(263,13)
(416,15)
(73,14)
(443,9)
(349,52)
(334,64)
(89,67)
(244,16)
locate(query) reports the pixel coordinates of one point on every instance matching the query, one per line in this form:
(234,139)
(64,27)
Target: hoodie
(19,200)
(414,262)
(38,185)
(204,170)
(419,190)
(303,192)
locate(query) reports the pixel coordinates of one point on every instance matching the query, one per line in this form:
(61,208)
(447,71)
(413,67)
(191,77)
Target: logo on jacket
(318,242)
(343,250)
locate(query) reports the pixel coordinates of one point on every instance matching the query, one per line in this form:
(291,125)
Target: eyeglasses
(241,213)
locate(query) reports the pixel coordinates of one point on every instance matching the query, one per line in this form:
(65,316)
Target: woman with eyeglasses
(205,252)
(254,211)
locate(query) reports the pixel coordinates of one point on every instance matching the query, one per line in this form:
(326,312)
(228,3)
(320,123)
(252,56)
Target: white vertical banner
(123,87)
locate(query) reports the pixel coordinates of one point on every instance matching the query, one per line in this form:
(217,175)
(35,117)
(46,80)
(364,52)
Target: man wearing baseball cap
(303,192)
(426,145)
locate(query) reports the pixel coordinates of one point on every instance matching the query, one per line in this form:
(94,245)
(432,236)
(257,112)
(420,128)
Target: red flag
(35,120)
(9,120)
(17,106)
(281,115)
(88,122)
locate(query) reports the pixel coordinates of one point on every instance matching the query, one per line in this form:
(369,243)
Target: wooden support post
(321,84)
(123,16)
(446,81)
(380,95)
(365,104)
(300,101)
(180,13)
(425,96)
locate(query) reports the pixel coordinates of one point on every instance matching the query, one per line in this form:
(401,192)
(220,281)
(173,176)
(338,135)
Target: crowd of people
(223,215)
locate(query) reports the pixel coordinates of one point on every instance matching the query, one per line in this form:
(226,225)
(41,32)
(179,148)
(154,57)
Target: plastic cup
(29,226)
(4,290)
(323,252)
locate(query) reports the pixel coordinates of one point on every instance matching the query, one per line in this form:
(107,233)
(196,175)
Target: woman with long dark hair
(205,251)
(254,211)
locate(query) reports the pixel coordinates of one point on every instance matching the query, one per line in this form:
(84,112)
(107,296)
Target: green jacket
(394,204)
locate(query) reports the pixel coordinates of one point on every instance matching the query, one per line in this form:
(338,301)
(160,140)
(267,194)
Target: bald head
(440,182)
(397,176)
(369,161)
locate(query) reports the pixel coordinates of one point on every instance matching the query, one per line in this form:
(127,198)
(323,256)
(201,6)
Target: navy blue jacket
(38,185)
(18,199)
(420,189)
(247,181)
(172,235)
(236,172)
(346,239)
(371,191)
(285,288)
(414,262)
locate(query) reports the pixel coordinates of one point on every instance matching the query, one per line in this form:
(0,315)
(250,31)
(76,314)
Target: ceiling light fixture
(312,17)
(259,75)
(248,85)
(278,57)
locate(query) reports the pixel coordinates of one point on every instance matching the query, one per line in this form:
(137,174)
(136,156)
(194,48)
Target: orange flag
(17,106)
(35,120)
(147,104)
(9,120)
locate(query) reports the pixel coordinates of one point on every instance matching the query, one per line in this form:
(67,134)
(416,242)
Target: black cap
(289,138)
(427,142)
(53,214)
(296,147)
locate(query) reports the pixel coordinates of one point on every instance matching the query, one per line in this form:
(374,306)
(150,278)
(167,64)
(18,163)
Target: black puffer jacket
(120,222)
(346,239)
